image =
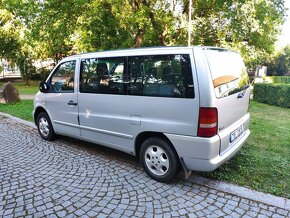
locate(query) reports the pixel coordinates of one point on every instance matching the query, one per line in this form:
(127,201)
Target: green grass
(24,89)
(262,164)
(22,109)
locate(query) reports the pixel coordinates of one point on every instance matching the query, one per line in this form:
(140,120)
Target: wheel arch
(37,111)
(141,137)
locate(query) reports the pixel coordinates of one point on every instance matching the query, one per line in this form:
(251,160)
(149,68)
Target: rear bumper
(203,154)
(211,164)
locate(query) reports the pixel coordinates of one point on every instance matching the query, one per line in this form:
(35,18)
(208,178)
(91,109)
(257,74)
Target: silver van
(172,107)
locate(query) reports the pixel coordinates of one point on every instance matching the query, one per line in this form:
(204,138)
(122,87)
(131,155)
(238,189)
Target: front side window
(102,75)
(62,80)
(161,75)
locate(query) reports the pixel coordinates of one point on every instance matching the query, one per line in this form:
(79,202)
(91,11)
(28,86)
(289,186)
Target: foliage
(281,79)
(279,65)
(273,94)
(249,27)
(22,109)
(24,62)
(13,46)
(9,34)
(44,73)
(278,79)
(57,28)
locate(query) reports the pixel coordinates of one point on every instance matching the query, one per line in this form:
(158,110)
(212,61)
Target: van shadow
(113,154)
(93,148)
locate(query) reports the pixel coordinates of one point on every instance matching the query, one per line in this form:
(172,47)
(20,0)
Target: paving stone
(71,178)
(191,215)
(174,213)
(19,214)
(198,207)
(31,211)
(200,214)
(61,213)
(252,213)
(48,212)
(278,216)
(282,212)
(129,213)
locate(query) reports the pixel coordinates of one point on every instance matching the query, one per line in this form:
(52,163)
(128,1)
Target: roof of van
(116,51)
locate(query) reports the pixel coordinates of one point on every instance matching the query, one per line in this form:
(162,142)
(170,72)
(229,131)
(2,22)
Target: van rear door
(231,90)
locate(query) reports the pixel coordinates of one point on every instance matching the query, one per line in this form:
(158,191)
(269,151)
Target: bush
(277,79)
(35,76)
(281,79)
(273,94)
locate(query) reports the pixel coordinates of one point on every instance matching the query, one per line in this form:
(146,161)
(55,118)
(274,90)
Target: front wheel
(159,159)
(44,127)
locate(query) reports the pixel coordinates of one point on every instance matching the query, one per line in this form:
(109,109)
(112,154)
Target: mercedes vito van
(172,107)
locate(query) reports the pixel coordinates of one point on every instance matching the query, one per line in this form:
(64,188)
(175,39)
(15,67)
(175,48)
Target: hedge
(273,94)
(278,79)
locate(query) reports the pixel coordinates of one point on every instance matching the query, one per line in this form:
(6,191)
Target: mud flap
(187,172)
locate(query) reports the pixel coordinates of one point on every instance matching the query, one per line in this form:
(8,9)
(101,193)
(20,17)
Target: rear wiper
(241,94)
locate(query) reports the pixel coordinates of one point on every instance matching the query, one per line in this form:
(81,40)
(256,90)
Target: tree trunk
(139,37)
(161,34)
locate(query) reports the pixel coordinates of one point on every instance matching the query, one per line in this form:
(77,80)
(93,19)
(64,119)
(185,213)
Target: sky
(284,38)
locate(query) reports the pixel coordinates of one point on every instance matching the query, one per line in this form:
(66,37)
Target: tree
(9,34)
(279,65)
(249,27)
(13,46)
(56,28)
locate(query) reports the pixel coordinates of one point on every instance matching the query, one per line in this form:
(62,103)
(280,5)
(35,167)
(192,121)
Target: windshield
(229,74)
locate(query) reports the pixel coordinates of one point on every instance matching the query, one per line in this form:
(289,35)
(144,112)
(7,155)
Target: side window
(62,80)
(102,75)
(161,75)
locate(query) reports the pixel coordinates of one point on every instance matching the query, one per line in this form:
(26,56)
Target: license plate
(236,133)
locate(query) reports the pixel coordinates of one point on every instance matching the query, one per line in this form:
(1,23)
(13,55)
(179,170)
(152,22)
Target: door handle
(72,103)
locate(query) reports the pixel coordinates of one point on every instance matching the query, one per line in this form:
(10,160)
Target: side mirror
(43,87)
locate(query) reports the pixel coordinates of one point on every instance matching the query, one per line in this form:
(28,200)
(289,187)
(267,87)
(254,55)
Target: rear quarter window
(161,76)
(228,71)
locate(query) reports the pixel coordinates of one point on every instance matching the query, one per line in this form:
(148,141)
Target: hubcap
(43,127)
(157,160)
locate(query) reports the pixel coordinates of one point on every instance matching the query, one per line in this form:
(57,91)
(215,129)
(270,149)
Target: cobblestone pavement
(70,178)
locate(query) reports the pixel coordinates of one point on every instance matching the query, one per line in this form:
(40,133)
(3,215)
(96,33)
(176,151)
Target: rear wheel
(159,160)
(44,127)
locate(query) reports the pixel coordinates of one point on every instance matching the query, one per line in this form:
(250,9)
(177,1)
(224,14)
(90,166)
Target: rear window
(229,74)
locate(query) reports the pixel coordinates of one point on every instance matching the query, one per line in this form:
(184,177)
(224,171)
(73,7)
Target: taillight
(208,122)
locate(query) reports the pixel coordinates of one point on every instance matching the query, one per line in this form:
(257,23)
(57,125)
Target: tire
(159,160)
(44,127)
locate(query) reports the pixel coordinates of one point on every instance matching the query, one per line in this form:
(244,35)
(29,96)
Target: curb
(27,97)
(19,120)
(243,192)
(240,191)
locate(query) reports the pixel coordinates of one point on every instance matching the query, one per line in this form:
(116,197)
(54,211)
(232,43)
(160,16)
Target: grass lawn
(262,164)
(22,109)
(23,89)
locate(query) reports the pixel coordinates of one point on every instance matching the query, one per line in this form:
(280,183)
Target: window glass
(102,75)
(229,74)
(62,79)
(161,75)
